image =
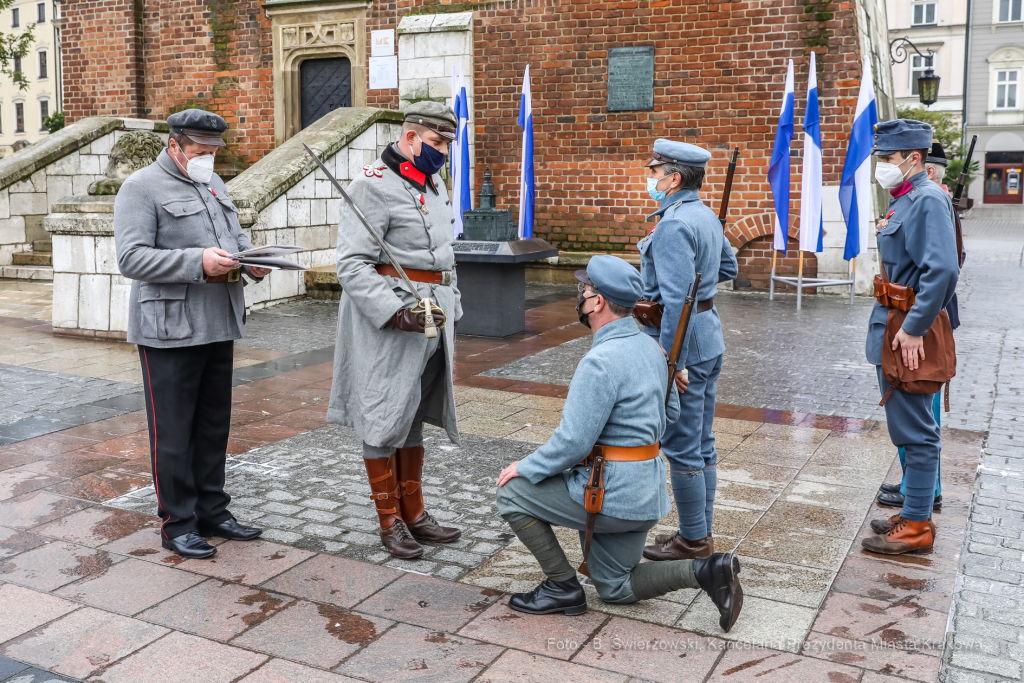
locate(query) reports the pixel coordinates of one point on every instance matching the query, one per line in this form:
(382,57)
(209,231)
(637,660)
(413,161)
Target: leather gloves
(414,319)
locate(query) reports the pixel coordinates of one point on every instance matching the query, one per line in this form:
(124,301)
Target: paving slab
(129,587)
(24,609)
(282,671)
(333,580)
(182,658)
(429,602)
(525,667)
(55,564)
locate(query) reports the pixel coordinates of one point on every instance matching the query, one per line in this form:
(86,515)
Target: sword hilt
(429,328)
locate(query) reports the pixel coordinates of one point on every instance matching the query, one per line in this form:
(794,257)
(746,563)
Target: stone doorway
(324,85)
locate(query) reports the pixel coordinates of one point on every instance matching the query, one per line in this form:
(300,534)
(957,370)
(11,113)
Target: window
(1006,89)
(1009,10)
(918,65)
(42,64)
(41,13)
(19,117)
(17,64)
(44,112)
(15,18)
(924,13)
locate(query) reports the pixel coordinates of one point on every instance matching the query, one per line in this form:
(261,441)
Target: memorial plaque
(631,78)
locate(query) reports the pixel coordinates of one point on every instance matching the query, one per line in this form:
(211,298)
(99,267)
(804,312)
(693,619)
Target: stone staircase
(31,265)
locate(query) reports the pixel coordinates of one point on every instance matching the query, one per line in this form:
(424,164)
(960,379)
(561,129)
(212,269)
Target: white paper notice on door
(383,73)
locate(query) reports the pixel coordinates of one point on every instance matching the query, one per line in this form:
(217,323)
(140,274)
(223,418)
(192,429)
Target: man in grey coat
(687,240)
(389,378)
(175,229)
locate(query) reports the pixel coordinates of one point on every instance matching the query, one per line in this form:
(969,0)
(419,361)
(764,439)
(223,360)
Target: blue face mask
(652,189)
(429,160)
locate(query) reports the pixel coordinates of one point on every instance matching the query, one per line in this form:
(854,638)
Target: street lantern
(927,82)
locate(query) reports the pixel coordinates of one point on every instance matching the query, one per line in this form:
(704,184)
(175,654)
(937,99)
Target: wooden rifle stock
(724,210)
(677,343)
(961,183)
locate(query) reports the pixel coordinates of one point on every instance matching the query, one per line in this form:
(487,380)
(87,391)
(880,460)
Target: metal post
(771,282)
(853,277)
(800,281)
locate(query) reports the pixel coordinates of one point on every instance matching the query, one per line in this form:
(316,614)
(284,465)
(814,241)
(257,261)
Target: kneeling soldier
(615,412)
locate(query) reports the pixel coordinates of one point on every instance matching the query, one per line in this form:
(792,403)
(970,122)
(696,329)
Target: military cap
(937,155)
(614,279)
(435,116)
(672,152)
(901,134)
(199,126)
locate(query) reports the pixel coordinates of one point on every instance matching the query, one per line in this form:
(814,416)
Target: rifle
(677,343)
(961,183)
(728,186)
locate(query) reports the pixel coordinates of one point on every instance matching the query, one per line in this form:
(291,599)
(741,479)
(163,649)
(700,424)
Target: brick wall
(755,261)
(150,58)
(719,70)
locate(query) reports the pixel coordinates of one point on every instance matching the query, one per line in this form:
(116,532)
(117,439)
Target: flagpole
(771,286)
(800,281)
(853,277)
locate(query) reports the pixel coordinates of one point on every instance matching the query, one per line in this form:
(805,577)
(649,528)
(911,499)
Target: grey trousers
(433,373)
(618,544)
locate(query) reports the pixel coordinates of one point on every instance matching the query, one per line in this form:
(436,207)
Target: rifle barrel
(961,182)
(724,210)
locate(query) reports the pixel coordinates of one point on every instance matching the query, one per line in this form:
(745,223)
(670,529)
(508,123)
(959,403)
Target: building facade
(995,111)
(938,29)
(713,76)
(22,111)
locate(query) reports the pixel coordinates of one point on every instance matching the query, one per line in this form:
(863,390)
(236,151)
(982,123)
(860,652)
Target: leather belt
(233,275)
(593,491)
(430,277)
(705,305)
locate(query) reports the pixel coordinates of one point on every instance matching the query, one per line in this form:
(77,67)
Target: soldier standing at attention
(174,228)
(687,240)
(616,409)
(389,378)
(917,246)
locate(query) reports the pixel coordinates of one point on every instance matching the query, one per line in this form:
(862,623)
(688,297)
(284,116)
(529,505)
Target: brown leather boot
(884,526)
(410,479)
(665,538)
(384,488)
(679,548)
(905,537)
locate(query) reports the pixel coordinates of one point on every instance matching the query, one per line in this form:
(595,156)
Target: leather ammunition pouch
(649,313)
(892,295)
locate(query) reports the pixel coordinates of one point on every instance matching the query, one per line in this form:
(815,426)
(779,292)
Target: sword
(429,328)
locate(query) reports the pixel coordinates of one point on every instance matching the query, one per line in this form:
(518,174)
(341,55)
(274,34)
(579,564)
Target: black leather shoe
(552,596)
(717,576)
(889,488)
(190,545)
(895,500)
(232,530)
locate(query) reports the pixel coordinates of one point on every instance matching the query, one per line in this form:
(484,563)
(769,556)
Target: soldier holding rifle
(688,240)
(600,473)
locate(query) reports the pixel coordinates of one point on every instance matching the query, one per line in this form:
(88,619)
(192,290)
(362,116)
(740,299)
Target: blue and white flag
(810,186)
(778,169)
(855,186)
(527,193)
(466,200)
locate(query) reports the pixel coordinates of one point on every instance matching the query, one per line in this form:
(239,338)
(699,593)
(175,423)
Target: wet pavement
(801,452)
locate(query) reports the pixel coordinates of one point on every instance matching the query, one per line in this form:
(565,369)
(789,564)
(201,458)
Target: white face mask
(199,169)
(889,175)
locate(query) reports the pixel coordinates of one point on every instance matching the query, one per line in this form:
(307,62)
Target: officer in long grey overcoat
(174,228)
(389,378)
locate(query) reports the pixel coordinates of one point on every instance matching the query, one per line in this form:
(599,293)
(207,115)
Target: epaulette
(372,171)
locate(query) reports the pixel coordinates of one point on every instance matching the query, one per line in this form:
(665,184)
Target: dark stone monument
(631,78)
(491,266)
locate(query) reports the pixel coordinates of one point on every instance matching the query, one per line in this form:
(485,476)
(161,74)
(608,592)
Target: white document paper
(383,73)
(270,262)
(268,251)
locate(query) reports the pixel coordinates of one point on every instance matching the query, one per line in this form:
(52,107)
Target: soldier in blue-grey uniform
(917,245)
(616,407)
(175,229)
(688,240)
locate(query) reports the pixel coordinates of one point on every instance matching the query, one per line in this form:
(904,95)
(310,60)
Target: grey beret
(436,116)
(199,125)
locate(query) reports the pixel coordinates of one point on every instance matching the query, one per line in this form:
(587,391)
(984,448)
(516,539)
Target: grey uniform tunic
(162,223)
(376,388)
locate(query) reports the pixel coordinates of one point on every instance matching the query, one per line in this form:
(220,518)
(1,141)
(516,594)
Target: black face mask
(584,317)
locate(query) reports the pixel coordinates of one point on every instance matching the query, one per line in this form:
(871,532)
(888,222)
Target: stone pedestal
(90,296)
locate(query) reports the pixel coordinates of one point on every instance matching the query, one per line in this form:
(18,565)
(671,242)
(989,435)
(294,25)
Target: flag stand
(801,283)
